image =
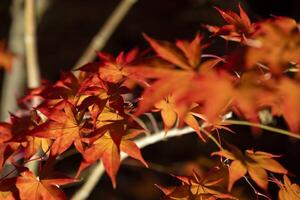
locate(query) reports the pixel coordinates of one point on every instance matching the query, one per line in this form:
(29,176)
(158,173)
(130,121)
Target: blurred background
(66,27)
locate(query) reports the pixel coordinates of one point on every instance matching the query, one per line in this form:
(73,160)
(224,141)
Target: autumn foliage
(95,113)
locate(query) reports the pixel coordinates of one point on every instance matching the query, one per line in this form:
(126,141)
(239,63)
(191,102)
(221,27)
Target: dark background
(68,26)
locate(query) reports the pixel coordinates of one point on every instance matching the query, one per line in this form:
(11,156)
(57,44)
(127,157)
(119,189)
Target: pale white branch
(32,65)
(14,81)
(33,72)
(96,174)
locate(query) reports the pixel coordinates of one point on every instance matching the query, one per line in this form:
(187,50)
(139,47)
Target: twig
(97,172)
(262,126)
(105,32)
(255,191)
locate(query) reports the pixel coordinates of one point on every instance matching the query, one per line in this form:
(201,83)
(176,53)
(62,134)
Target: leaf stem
(211,137)
(262,126)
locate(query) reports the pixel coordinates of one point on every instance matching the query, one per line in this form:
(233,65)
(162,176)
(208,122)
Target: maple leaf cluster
(91,112)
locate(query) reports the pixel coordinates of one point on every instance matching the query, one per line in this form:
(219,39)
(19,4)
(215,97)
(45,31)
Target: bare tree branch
(101,38)
(96,174)
(32,66)
(13,83)
(33,72)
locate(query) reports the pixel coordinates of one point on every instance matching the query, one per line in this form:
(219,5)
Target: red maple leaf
(239,27)
(33,187)
(190,83)
(255,163)
(116,138)
(196,187)
(63,126)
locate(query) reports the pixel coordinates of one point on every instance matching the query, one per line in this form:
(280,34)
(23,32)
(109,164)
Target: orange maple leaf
(289,96)
(169,112)
(255,163)
(195,187)
(288,190)
(108,147)
(63,127)
(190,83)
(239,27)
(32,187)
(278,47)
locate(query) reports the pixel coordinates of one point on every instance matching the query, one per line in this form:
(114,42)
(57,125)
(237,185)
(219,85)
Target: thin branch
(33,73)
(101,38)
(97,172)
(255,191)
(262,126)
